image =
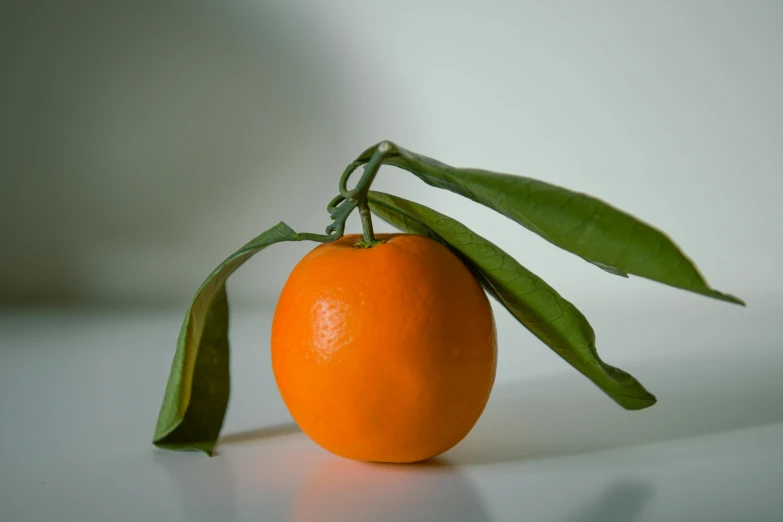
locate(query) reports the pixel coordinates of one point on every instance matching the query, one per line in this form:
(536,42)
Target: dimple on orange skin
(387,353)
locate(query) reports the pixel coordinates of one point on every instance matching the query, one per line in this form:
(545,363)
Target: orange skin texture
(384,354)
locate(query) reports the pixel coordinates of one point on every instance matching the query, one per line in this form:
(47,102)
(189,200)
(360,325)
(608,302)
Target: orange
(387,353)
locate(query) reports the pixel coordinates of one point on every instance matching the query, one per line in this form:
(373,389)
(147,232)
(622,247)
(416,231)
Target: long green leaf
(599,233)
(534,303)
(196,397)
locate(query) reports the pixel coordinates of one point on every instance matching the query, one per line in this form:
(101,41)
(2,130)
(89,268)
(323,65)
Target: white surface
(80,391)
(165,134)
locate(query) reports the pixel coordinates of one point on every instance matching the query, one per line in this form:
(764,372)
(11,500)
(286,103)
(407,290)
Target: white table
(80,391)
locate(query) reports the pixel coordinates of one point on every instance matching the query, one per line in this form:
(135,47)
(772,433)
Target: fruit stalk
(364,213)
(359,193)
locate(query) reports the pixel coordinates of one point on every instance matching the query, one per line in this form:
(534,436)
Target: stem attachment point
(341,206)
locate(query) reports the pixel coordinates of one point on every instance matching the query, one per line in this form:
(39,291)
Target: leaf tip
(738,301)
(207,448)
(728,298)
(641,401)
(209,451)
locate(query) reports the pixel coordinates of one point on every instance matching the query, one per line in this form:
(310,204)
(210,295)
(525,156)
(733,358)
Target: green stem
(364,213)
(342,206)
(359,192)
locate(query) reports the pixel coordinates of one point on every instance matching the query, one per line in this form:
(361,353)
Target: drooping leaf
(534,303)
(599,233)
(196,396)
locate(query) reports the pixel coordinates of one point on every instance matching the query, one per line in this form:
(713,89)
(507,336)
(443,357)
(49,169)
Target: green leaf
(534,303)
(599,233)
(196,396)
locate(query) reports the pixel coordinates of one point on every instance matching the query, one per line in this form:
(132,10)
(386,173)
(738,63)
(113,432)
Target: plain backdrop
(142,142)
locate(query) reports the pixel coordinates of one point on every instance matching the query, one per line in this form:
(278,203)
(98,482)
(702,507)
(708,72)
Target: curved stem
(370,170)
(341,206)
(359,192)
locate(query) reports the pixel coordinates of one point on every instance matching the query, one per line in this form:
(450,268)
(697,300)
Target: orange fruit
(384,354)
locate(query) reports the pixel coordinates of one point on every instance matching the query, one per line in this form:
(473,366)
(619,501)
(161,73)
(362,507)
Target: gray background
(141,142)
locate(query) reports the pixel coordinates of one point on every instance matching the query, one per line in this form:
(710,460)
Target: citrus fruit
(386,353)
